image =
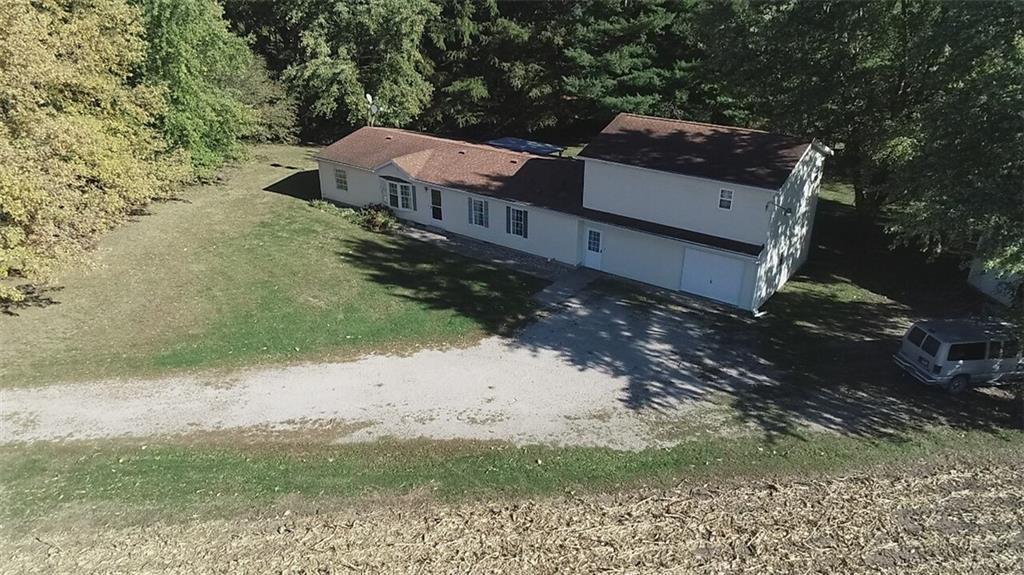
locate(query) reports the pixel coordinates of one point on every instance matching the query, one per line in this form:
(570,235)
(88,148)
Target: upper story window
(478,215)
(340,179)
(401,196)
(516,221)
(725,199)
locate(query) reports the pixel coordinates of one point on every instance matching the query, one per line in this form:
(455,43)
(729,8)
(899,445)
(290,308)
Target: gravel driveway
(596,371)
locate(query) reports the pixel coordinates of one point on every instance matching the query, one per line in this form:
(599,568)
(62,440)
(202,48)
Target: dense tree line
(109,103)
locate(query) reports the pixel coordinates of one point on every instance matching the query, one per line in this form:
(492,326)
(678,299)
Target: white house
(721,212)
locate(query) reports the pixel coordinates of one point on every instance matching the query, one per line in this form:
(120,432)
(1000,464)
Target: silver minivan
(958,354)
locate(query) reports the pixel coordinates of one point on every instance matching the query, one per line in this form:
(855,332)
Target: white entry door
(594,241)
(712,276)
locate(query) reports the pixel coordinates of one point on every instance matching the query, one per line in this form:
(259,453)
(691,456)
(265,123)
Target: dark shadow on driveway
(819,359)
(671,351)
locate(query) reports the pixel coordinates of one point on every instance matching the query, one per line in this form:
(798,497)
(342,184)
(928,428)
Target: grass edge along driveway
(131,481)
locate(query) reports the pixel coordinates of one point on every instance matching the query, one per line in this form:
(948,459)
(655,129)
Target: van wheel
(959,384)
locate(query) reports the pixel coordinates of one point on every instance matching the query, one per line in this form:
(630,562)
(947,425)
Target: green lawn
(113,482)
(234,275)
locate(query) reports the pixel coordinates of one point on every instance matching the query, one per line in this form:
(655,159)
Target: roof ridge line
(453,141)
(711,124)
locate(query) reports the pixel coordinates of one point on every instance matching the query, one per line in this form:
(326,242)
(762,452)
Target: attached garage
(715,276)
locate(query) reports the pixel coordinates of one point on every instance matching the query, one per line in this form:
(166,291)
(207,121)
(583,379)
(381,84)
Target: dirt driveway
(596,371)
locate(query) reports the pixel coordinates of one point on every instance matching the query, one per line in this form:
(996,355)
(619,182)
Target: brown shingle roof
(370,148)
(724,153)
(543,181)
(556,183)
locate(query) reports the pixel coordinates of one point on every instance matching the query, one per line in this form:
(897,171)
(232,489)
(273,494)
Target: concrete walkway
(565,287)
(487,252)
(567,281)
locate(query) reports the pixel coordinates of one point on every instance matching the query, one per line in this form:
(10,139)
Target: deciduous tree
(78,143)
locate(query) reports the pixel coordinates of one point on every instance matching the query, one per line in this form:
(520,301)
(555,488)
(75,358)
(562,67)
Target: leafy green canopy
(217,91)
(963,188)
(641,57)
(495,70)
(343,50)
(851,73)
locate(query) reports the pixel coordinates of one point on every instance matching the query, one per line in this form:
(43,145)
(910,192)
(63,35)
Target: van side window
(995,349)
(1011,349)
(967,351)
(930,346)
(916,336)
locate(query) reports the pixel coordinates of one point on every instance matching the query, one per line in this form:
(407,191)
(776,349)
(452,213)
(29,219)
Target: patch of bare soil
(959,518)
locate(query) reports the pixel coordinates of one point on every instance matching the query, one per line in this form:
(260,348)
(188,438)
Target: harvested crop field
(955,518)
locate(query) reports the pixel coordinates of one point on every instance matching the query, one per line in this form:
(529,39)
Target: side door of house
(593,248)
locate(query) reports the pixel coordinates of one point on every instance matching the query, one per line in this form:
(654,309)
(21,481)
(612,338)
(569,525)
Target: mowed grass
(234,275)
(128,482)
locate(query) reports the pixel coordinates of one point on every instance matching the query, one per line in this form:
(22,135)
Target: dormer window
(725,199)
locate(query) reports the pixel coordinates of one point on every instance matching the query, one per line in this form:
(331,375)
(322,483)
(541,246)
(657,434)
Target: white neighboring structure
(725,213)
(995,287)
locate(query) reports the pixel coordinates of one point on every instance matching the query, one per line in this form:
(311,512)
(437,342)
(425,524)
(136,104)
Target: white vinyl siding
(659,261)
(364,186)
(791,217)
(557,235)
(678,201)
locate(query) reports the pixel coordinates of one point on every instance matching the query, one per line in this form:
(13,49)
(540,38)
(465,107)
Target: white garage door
(713,276)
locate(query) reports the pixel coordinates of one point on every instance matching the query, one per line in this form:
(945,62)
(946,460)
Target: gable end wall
(789,235)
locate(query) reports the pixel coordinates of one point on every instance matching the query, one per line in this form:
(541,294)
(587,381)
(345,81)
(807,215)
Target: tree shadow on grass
(304,185)
(32,296)
(497,298)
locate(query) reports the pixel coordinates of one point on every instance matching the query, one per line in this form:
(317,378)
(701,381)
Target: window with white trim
(401,196)
(435,204)
(725,199)
(478,215)
(516,221)
(340,179)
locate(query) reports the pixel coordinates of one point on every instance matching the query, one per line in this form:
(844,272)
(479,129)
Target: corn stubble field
(951,518)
